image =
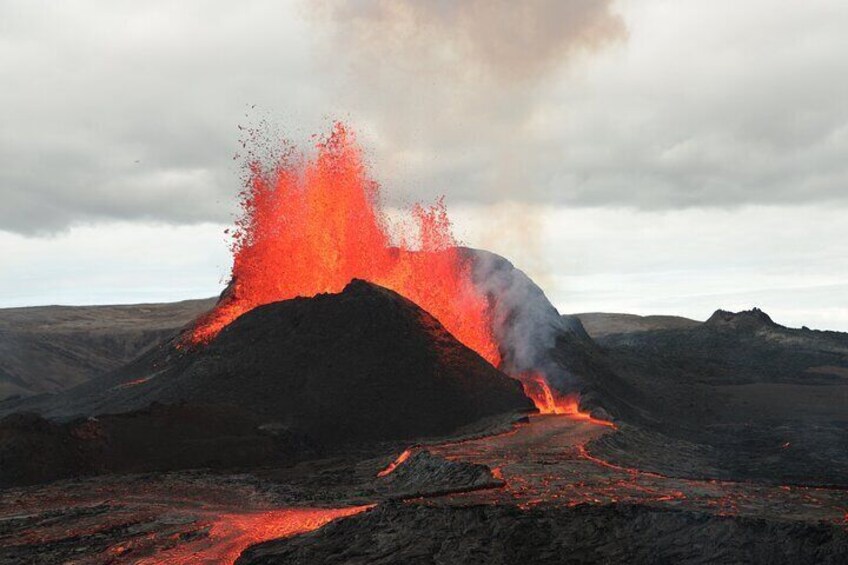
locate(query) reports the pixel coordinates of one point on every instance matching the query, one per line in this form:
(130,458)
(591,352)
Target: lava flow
(394,464)
(548,401)
(230,534)
(547,462)
(310,226)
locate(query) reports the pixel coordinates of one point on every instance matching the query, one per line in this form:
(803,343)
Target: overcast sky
(648,156)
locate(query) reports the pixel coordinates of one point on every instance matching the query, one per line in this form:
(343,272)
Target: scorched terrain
(367,390)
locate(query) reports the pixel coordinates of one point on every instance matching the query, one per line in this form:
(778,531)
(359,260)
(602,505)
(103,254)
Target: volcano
(362,365)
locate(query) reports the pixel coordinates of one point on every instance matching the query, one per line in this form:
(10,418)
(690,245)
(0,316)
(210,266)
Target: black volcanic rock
(747,319)
(425,474)
(362,365)
(505,535)
(33,450)
(157,438)
(738,396)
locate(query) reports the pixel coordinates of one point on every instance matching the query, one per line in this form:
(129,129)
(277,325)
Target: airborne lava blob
(310,226)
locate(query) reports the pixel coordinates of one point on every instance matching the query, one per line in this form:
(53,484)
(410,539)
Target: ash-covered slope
(738,396)
(364,364)
(48,349)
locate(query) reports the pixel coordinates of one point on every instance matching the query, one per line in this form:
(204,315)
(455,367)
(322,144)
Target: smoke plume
(525,323)
(449,90)
(501,39)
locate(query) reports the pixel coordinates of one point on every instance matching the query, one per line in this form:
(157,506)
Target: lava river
(194,517)
(546,461)
(177,518)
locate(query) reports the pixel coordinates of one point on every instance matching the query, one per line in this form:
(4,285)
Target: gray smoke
(505,40)
(526,324)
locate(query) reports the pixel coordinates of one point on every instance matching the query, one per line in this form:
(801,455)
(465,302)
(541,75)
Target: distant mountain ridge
(47,349)
(600,324)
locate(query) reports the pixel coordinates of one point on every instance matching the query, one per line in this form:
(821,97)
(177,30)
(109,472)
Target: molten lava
(310,226)
(548,401)
(230,534)
(394,464)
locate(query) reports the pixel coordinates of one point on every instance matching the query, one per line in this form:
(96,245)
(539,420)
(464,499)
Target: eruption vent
(549,401)
(311,226)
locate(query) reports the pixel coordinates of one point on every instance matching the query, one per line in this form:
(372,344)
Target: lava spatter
(310,226)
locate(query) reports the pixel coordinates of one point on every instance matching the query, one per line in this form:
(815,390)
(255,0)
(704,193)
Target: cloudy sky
(647,156)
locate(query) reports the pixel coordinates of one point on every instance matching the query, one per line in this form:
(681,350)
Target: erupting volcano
(364,380)
(371,379)
(310,226)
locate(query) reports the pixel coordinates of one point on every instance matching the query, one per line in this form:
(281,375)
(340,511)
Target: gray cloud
(126,110)
(706,104)
(473,40)
(130,111)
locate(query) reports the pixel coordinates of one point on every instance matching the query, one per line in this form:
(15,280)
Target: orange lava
(231,534)
(394,464)
(548,401)
(309,226)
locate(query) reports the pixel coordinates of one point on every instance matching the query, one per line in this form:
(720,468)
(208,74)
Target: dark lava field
(353,428)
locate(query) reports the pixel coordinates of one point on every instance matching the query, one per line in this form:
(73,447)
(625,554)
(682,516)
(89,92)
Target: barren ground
(542,477)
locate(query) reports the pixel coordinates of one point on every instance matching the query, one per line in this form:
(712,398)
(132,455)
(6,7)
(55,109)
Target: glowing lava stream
(394,464)
(548,401)
(547,404)
(547,462)
(230,534)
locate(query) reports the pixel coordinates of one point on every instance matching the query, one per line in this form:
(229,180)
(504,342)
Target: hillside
(47,349)
(361,366)
(601,324)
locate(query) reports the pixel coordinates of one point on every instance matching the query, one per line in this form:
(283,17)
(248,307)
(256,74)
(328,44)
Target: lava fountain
(309,226)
